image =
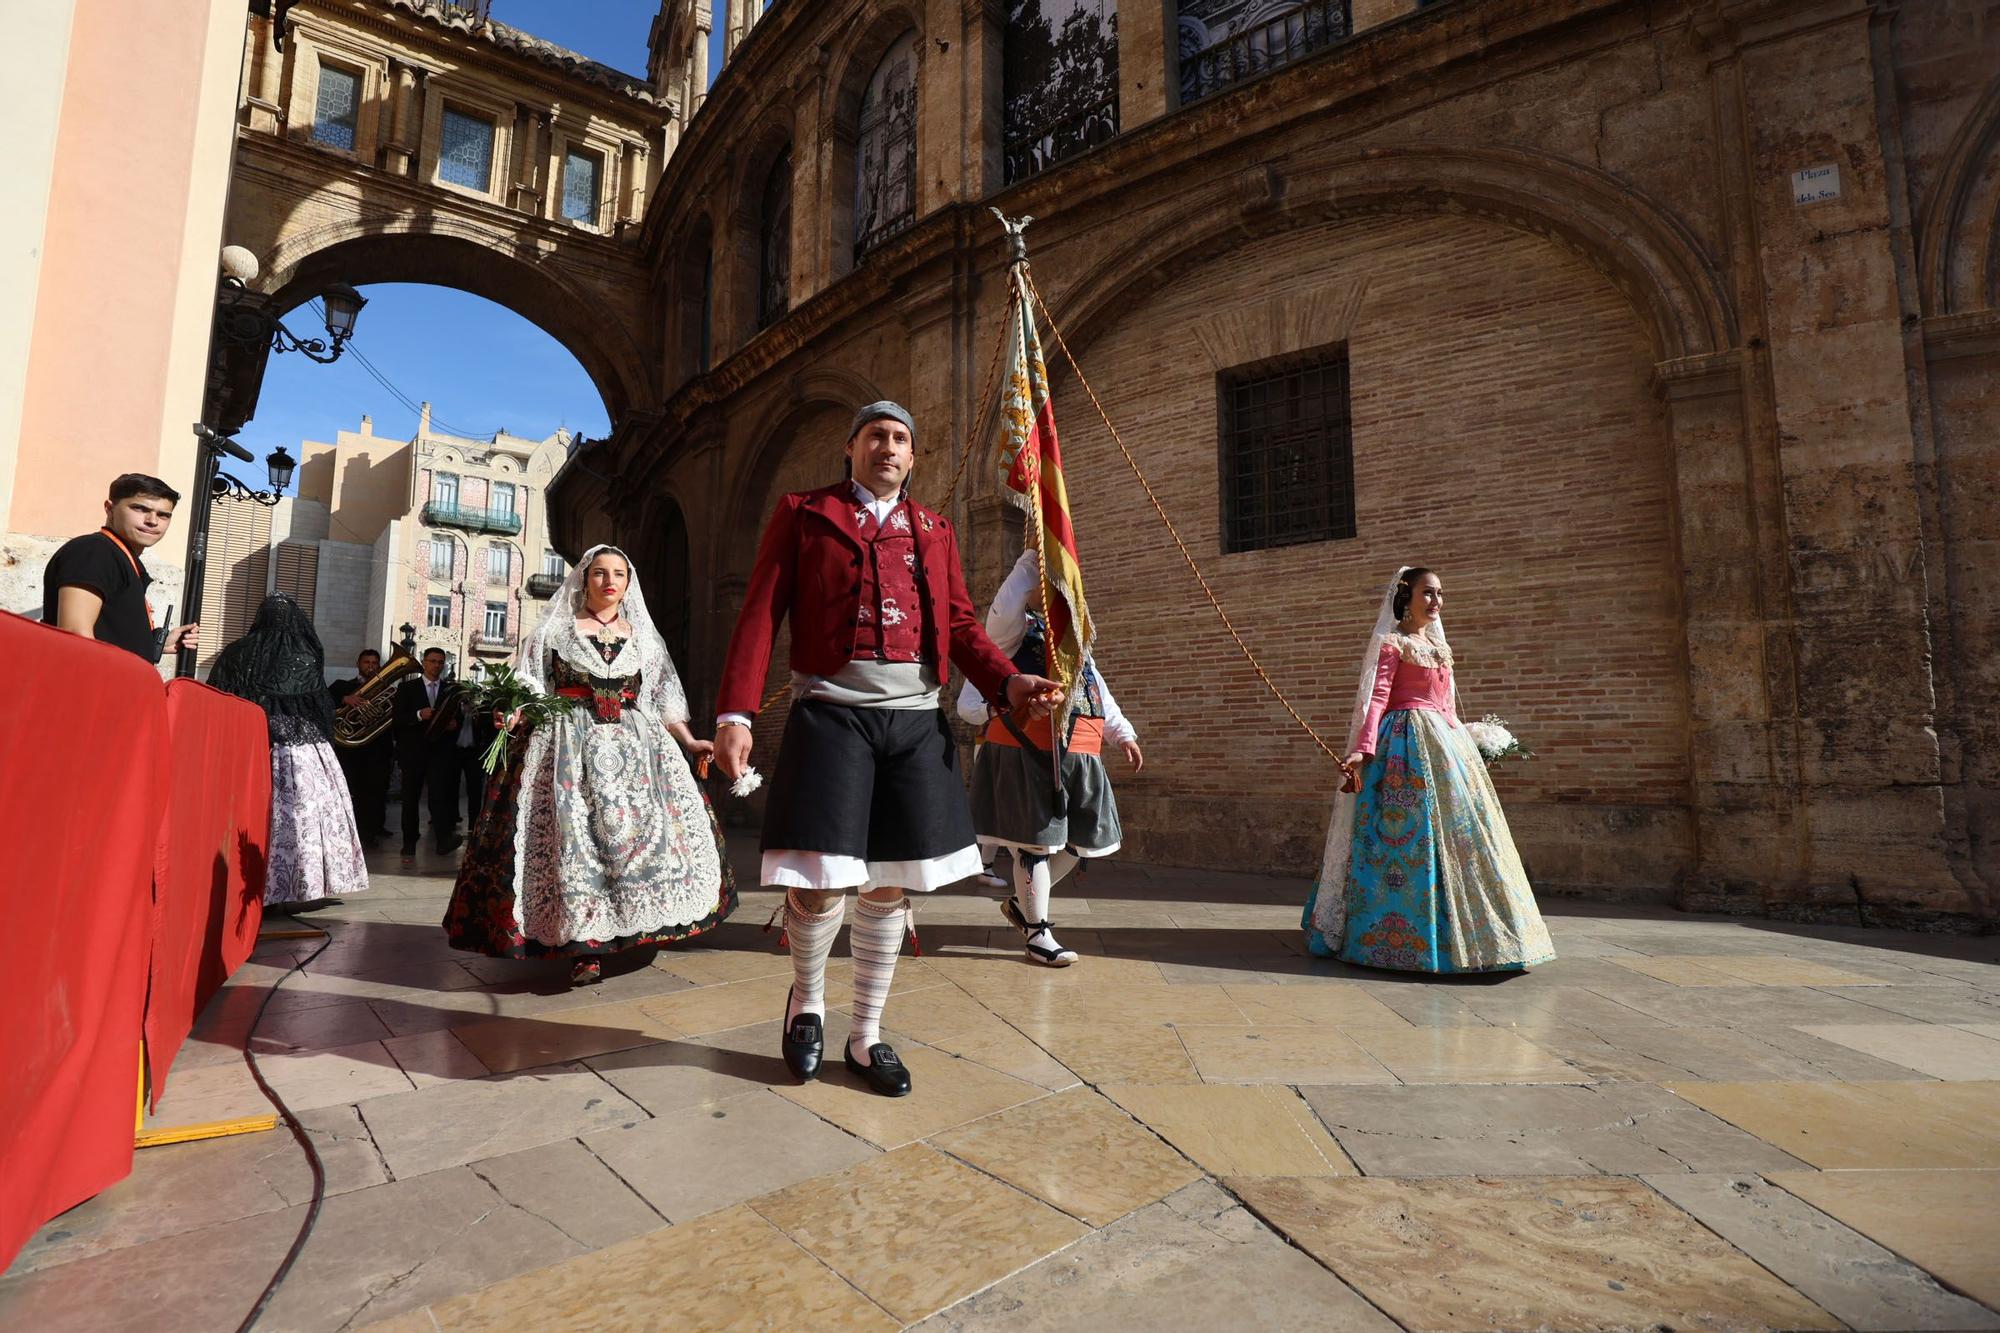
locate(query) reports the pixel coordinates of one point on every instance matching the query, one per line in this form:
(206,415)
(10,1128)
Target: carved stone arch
(690,281)
(444,251)
(815,392)
(1642,248)
(660,549)
(742,242)
(1958,229)
(852,68)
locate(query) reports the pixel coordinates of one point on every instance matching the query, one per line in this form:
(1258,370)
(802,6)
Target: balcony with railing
(544,585)
(471,519)
(495,644)
(1263,46)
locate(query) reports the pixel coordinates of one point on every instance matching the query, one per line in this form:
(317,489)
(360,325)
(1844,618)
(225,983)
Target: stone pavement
(1683,1122)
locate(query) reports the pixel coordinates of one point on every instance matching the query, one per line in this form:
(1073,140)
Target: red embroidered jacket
(810,567)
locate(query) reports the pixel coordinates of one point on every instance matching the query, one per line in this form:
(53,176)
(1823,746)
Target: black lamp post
(245,331)
(214,485)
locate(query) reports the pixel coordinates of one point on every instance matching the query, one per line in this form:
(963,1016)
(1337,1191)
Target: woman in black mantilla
(279,666)
(596,838)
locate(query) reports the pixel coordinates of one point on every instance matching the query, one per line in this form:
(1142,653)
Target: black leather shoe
(886,1075)
(449,843)
(803,1044)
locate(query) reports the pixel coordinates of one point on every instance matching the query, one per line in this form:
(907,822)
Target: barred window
(1287,451)
(579,188)
(774,243)
(1060,77)
(1223,42)
(437,612)
(337,107)
(885,157)
(466,157)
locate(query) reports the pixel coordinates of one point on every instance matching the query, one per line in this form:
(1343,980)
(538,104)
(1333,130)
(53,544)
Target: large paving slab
(915,1231)
(1863,1125)
(1582,1253)
(704,1158)
(1076,1151)
(1840,1269)
(433,1128)
(1236,1130)
(705,1274)
(1195,1260)
(1943,1221)
(1529,1131)
(1954,1053)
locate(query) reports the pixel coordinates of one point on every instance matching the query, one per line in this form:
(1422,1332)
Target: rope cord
(1174,532)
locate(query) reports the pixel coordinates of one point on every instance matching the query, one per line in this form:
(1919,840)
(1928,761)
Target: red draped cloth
(215,837)
(83,776)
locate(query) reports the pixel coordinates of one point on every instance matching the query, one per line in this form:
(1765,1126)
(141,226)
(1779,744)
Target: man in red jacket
(867,793)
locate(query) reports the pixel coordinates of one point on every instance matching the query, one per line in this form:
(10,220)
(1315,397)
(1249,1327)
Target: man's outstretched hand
(732,750)
(1033,696)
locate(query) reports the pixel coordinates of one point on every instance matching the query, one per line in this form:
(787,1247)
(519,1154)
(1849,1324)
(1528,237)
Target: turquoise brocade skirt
(1433,881)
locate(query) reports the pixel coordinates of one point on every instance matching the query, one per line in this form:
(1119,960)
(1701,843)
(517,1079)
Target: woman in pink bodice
(1420,872)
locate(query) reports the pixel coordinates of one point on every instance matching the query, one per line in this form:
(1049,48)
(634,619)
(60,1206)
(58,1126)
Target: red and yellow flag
(1031,474)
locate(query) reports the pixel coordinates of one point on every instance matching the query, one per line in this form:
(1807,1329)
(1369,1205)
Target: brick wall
(1504,433)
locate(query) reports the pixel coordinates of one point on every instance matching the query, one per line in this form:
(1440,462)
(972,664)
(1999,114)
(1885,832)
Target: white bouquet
(1495,742)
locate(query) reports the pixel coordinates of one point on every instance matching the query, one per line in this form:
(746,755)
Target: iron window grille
(885,155)
(336,107)
(774,244)
(1061,75)
(1223,42)
(1287,452)
(466,156)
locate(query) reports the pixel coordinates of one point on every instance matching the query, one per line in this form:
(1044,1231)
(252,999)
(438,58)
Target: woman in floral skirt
(596,837)
(1420,872)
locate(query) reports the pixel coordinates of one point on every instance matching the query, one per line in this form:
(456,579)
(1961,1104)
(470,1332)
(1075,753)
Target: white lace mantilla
(1418,650)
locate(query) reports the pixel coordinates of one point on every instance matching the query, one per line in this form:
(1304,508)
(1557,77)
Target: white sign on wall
(1816,185)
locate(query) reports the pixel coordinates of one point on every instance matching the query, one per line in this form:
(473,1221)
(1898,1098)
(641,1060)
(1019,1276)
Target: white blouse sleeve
(1117,727)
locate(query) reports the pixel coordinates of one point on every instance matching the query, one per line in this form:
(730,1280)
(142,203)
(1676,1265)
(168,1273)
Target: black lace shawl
(280,666)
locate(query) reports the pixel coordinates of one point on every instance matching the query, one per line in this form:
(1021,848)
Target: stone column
(984,25)
(399,153)
(521,192)
(1148,77)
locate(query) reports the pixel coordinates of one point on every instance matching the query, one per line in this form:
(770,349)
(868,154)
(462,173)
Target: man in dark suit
(366,767)
(427,721)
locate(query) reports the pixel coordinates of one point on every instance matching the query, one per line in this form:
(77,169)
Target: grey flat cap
(877,411)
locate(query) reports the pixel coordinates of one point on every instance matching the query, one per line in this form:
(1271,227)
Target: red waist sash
(607,705)
(1086,734)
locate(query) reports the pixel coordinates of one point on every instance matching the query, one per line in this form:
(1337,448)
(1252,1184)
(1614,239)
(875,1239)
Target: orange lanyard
(137,573)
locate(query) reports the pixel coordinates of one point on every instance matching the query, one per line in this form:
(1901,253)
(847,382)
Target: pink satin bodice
(1402,681)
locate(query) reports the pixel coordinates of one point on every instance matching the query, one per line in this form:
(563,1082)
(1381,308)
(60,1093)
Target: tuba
(361,723)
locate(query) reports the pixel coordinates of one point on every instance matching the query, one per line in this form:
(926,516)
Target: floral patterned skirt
(315,852)
(594,839)
(1433,881)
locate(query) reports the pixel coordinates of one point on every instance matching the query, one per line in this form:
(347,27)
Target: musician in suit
(428,714)
(366,767)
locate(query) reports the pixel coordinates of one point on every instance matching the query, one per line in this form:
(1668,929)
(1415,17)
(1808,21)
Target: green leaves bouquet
(501,690)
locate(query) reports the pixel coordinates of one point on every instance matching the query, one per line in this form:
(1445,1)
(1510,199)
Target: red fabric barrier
(208,879)
(83,773)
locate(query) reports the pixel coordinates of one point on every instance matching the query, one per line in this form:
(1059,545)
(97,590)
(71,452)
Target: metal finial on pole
(1017,239)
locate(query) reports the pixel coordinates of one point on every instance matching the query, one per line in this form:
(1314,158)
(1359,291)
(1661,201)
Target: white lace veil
(644,654)
(1330,908)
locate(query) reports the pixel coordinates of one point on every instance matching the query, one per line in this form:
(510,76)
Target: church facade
(1664,331)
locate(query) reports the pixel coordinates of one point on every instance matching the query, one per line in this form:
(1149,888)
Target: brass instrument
(357,725)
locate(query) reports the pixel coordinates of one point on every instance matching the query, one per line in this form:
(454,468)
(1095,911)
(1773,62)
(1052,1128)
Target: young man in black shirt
(95,586)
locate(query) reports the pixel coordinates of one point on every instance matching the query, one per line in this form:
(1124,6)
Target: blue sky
(481,366)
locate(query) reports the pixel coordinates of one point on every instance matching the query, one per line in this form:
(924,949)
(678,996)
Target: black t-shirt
(98,562)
